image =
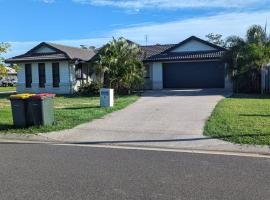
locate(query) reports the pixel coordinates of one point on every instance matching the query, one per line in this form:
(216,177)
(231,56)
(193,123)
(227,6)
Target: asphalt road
(37,171)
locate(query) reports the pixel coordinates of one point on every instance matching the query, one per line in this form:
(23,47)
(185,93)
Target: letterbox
(106,97)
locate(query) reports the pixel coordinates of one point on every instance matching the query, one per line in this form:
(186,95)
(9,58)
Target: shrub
(91,89)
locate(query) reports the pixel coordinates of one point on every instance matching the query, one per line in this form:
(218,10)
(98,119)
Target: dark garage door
(193,75)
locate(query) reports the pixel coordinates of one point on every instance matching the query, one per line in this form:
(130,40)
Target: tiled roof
(152,50)
(62,52)
(150,53)
(74,52)
(186,56)
(164,52)
(38,57)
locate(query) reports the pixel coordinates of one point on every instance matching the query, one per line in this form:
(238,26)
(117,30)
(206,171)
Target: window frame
(28,75)
(42,75)
(56,75)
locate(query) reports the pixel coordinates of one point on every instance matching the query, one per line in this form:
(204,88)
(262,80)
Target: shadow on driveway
(187,92)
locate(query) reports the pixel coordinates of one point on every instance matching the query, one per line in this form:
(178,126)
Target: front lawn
(7,89)
(70,111)
(241,119)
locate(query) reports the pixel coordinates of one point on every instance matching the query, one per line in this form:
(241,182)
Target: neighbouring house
(193,63)
(10,78)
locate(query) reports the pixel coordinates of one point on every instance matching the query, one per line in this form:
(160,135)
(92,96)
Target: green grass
(70,111)
(7,89)
(243,119)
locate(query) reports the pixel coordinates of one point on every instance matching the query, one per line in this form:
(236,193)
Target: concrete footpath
(188,142)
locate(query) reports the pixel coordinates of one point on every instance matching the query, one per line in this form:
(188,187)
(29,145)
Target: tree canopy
(118,62)
(4,47)
(246,57)
(216,39)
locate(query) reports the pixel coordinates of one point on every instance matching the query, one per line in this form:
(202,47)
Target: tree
(118,62)
(256,34)
(246,57)
(215,39)
(4,47)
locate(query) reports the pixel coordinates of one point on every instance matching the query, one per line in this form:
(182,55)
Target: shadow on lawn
(254,115)
(244,135)
(4,96)
(250,96)
(4,127)
(80,108)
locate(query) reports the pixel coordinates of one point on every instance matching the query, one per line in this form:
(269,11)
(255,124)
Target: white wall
(66,85)
(193,45)
(45,50)
(157,79)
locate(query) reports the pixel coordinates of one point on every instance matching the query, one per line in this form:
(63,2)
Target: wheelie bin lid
(43,96)
(21,96)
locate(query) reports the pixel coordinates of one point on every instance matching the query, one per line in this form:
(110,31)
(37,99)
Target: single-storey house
(192,63)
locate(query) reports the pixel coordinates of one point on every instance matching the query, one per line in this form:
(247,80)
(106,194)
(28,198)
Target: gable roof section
(62,52)
(198,40)
(169,55)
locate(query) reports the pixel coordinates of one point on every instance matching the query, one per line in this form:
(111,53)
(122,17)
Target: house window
(56,75)
(28,75)
(41,75)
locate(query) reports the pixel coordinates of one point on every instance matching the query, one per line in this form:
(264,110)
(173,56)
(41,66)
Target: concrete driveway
(166,115)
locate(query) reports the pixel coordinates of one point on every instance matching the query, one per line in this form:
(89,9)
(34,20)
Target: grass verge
(70,111)
(7,89)
(243,119)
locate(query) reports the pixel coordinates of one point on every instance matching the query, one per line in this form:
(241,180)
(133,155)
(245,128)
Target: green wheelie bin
(19,109)
(40,110)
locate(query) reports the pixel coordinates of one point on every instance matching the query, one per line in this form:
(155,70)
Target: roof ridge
(154,45)
(63,45)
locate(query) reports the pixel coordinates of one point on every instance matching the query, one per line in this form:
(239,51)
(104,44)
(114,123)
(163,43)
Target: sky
(25,23)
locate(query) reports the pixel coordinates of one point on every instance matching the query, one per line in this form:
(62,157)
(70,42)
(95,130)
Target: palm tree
(247,57)
(118,62)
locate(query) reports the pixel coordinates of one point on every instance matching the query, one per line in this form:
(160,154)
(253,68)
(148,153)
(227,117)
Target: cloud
(170,32)
(175,31)
(47,1)
(173,4)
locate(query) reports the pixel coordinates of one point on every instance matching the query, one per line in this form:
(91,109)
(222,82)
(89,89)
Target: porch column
(157,76)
